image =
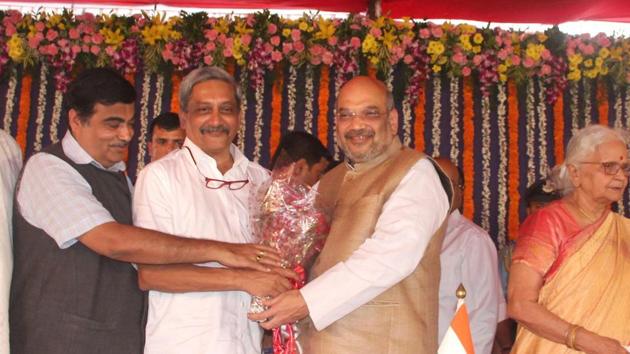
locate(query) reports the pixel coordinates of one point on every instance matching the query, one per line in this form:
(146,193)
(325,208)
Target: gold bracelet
(570,337)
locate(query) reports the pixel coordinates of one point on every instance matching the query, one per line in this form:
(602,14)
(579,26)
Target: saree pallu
(590,288)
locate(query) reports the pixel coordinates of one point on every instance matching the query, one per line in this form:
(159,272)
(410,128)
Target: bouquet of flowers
(284,216)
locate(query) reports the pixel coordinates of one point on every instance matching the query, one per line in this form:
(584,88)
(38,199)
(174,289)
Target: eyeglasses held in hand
(612,167)
(213,183)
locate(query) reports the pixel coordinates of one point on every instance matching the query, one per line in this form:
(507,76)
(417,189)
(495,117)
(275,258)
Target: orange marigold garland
(322,118)
(176,80)
(419,123)
(468,153)
(276,114)
(558,127)
(602,102)
(513,161)
(25,111)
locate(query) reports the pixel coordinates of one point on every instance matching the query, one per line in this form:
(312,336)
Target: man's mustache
(215,129)
(368,133)
(120,144)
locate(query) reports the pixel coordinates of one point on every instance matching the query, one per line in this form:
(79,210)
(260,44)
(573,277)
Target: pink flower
(376,32)
(296,34)
(76,49)
(516,60)
(272,28)
(546,54)
(110,50)
(332,41)
(437,31)
(33,42)
(208,60)
(408,59)
(545,70)
(250,20)
(73,33)
(572,43)
(528,62)
(316,60)
(227,52)
(299,46)
(85,48)
(316,50)
(51,34)
(268,47)
(97,38)
(570,52)
(425,33)
(355,42)
(466,71)
(210,47)
(246,39)
(502,54)
(167,54)
(603,40)
(9,30)
(588,49)
(294,60)
(40,26)
(459,58)
(327,58)
(287,48)
(276,56)
(95,49)
(275,40)
(63,42)
(477,59)
(211,34)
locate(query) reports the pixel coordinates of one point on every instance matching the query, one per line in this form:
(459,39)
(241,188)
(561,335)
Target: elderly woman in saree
(570,276)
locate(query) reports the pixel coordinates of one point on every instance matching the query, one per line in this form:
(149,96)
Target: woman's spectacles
(612,167)
(213,183)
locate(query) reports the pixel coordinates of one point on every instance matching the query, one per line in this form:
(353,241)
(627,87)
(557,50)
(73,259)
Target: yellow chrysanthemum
(16,48)
(575,59)
(389,37)
(303,26)
(326,29)
(369,44)
(436,68)
(534,51)
(467,29)
(435,48)
(591,74)
(541,37)
(588,63)
(113,38)
(286,32)
(503,77)
(599,62)
(502,68)
(222,25)
(574,75)
(476,49)
(478,38)
(604,53)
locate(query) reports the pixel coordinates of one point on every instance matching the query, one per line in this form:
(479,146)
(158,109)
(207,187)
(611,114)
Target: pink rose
(502,54)
(287,47)
(275,40)
(296,34)
(97,38)
(85,48)
(516,60)
(208,60)
(528,62)
(570,52)
(40,26)
(294,60)
(227,52)
(33,42)
(73,33)
(437,31)
(376,32)
(425,33)
(276,56)
(603,40)
(316,50)
(51,34)
(545,70)
(76,49)
(272,28)
(477,59)
(408,59)
(332,41)
(250,20)
(210,47)
(466,71)
(327,58)
(588,49)
(110,50)
(316,60)
(9,30)
(95,49)
(546,54)
(211,34)
(268,47)
(246,39)
(355,42)
(63,43)
(299,46)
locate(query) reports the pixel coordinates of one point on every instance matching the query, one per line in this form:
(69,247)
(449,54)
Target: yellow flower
(54,20)
(16,47)
(534,51)
(467,29)
(223,25)
(588,63)
(604,53)
(478,38)
(436,68)
(241,27)
(442,60)
(111,37)
(369,44)
(502,68)
(380,22)
(604,70)
(503,77)
(464,40)
(476,49)
(388,38)
(407,24)
(599,61)
(591,74)
(574,75)
(286,32)
(435,48)
(616,53)
(541,37)
(374,60)
(326,29)
(575,59)
(303,26)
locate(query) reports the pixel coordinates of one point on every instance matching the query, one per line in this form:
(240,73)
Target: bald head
(457,179)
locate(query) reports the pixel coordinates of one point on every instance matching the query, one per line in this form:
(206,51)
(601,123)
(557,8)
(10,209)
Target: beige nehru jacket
(404,318)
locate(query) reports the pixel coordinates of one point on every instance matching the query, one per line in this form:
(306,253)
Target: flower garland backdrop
(501,103)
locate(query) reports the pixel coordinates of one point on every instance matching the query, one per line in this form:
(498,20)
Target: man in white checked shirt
(73,288)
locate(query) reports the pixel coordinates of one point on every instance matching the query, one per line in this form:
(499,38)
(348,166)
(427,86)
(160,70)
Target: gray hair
(580,147)
(205,73)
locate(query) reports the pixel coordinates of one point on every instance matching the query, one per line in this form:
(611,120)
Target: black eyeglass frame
(232,185)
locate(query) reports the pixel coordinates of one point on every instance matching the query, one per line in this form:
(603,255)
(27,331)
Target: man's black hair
(98,85)
(541,191)
(168,121)
(301,145)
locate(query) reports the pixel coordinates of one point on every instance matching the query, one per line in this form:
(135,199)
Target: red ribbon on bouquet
(288,346)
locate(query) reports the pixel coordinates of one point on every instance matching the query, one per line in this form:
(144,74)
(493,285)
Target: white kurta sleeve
(152,206)
(411,215)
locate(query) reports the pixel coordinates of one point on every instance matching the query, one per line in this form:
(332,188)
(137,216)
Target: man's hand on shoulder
(288,307)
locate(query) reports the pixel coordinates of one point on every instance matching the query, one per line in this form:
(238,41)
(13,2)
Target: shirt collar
(207,164)
(75,152)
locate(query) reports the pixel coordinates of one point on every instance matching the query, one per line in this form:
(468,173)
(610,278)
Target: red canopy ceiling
(523,11)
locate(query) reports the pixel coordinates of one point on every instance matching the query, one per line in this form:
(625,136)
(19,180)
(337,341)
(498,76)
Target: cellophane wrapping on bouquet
(284,216)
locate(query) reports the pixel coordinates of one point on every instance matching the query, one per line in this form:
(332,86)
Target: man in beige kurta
(374,286)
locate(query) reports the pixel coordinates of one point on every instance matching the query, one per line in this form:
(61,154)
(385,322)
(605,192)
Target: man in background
(10,165)
(469,258)
(165,134)
(309,155)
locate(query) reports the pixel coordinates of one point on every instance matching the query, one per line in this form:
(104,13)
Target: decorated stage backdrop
(502,104)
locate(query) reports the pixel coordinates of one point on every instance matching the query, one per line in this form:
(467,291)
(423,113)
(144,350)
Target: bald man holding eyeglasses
(203,189)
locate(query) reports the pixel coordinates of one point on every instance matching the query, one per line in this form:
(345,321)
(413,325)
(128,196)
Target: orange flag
(458,339)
